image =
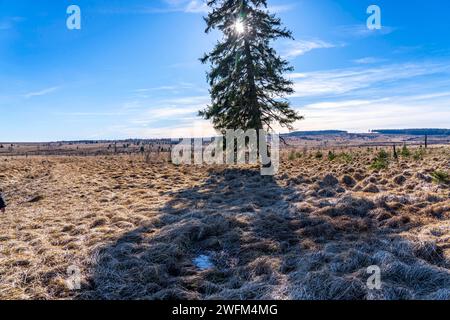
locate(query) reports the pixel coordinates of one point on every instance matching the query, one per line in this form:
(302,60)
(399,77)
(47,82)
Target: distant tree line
(123,142)
(415,132)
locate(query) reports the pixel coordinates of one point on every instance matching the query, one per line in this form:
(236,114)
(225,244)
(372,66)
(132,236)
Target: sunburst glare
(239,27)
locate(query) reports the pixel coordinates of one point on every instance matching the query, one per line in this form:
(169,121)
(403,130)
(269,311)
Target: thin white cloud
(406,95)
(369,60)
(188,100)
(338,101)
(160,88)
(426,110)
(200,6)
(281,8)
(166,113)
(294,49)
(196,6)
(187,129)
(361,31)
(91,114)
(337,104)
(174,109)
(342,81)
(178,88)
(360,116)
(187,6)
(41,92)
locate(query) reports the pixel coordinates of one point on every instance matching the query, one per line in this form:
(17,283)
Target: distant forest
(416,132)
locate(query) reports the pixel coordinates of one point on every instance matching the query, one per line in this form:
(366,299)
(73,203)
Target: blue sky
(133,70)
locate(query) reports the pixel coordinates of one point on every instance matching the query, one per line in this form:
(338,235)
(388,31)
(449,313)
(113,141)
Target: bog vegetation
(143,230)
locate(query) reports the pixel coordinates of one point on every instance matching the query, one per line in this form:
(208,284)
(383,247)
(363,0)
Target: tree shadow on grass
(232,218)
(263,245)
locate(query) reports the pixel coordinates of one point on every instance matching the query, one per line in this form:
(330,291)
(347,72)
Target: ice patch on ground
(203,262)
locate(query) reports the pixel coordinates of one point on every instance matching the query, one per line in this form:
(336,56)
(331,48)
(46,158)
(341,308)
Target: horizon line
(371,131)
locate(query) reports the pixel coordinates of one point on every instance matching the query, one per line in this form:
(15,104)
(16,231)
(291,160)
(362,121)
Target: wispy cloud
(155,118)
(338,104)
(188,6)
(199,6)
(361,31)
(187,129)
(429,110)
(353,99)
(281,8)
(342,81)
(90,114)
(41,92)
(369,60)
(294,49)
(174,109)
(175,89)
(196,6)
(153,115)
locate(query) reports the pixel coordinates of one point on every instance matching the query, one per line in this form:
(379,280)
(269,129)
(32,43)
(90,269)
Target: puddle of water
(203,262)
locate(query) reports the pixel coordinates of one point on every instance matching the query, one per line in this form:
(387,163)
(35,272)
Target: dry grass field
(135,228)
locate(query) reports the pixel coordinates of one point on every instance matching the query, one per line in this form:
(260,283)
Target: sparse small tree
(381,161)
(405,151)
(331,155)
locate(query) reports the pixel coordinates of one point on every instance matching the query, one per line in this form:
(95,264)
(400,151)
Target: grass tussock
(440,176)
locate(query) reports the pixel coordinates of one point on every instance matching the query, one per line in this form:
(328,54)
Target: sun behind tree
(248,87)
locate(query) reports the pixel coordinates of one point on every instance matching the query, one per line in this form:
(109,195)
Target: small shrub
(381,161)
(440,177)
(318,155)
(346,157)
(418,155)
(405,152)
(378,164)
(331,155)
(383,154)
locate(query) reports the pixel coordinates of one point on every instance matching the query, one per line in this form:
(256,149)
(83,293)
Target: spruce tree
(247,76)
